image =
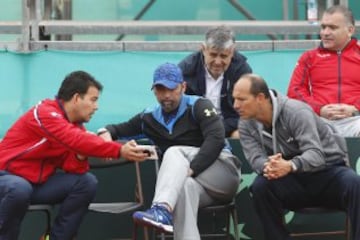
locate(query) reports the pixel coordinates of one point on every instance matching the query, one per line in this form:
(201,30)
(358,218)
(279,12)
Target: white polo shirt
(213,89)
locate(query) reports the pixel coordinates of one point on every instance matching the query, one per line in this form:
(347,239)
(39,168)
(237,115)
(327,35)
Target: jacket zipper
(339,75)
(41,170)
(24,152)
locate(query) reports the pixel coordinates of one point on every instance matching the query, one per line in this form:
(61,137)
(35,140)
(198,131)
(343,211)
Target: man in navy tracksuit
(213,71)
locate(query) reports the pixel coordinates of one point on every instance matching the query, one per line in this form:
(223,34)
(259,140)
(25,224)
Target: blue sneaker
(157,216)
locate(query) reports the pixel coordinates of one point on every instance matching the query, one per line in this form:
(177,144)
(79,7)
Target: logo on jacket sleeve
(324,55)
(55,114)
(208,112)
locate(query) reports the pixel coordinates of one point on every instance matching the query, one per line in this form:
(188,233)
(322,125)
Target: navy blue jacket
(194,74)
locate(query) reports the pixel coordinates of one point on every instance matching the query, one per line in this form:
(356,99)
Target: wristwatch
(293,166)
(356,113)
(101,131)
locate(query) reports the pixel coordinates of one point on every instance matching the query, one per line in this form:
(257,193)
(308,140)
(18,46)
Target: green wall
(126,76)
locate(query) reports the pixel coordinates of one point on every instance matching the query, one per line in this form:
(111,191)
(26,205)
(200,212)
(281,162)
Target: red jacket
(322,77)
(43,140)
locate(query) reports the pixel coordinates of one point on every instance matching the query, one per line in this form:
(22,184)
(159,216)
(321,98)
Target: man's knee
(88,184)
(189,188)
(172,150)
(352,180)
(186,151)
(190,185)
(19,190)
(259,186)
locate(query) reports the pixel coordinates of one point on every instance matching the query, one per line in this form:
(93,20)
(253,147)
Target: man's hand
(190,172)
(131,152)
(276,167)
(337,111)
(235,134)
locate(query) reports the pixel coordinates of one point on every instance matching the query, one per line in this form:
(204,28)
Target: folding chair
(319,210)
(229,210)
(119,207)
(47,209)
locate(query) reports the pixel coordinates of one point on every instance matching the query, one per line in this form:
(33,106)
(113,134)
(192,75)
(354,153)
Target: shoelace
(158,209)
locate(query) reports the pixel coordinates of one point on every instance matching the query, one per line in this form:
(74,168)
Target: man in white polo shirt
(213,71)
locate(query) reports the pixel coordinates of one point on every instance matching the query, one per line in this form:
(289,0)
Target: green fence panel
(126,76)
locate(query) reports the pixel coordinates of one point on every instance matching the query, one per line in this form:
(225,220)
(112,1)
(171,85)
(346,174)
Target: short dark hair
(220,37)
(258,84)
(77,82)
(344,11)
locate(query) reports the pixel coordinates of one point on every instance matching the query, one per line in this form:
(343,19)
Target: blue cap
(168,75)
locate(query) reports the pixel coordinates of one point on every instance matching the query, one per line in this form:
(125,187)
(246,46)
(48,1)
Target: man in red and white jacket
(327,77)
(48,137)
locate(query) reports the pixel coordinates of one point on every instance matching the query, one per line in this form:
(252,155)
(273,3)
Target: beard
(168,106)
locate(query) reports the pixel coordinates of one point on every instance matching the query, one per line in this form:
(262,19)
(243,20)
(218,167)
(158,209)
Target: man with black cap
(197,168)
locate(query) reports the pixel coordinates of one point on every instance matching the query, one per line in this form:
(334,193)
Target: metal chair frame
(231,214)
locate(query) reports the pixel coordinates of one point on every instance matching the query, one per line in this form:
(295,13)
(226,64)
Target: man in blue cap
(197,168)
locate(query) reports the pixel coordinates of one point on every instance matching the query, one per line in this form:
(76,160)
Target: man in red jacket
(51,136)
(327,77)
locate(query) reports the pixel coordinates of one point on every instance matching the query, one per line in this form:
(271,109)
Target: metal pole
(296,14)
(248,15)
(285,10)
(138,16)
(35,21)
(67,15)
(64,12)
(48,7)
(329,3)
(296,10)
(25,29)
(286,14)
(344,3)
